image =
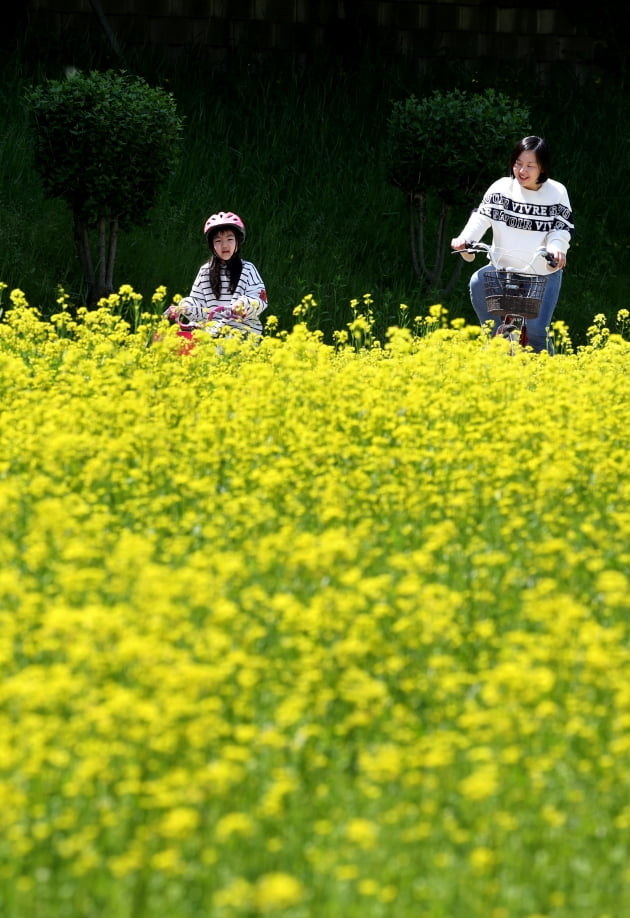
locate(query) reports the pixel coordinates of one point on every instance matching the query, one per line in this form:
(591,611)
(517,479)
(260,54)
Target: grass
(300,156)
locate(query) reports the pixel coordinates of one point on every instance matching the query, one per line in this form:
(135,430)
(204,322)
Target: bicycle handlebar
(472,248)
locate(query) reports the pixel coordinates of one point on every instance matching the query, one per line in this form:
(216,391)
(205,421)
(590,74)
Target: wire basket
(509,293)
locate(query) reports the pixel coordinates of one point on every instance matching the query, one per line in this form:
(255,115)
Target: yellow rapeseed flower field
(312,631)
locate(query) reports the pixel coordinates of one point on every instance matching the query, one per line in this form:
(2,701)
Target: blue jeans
(536,328)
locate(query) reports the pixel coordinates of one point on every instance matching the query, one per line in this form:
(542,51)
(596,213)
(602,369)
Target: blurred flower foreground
(312,631)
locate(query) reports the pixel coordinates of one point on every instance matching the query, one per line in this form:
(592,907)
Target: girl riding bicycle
(525,211)
(227,292)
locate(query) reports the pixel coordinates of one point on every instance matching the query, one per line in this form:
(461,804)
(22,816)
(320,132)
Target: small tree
(104,143)
(448,146)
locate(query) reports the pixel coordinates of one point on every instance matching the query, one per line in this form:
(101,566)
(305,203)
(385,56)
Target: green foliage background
(104,119)
(300,153)
(452,134)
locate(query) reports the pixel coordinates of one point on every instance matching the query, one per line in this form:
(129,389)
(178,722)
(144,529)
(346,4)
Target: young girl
(524,210)
(228,292)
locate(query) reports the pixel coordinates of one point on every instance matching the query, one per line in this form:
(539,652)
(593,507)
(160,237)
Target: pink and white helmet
(225,220)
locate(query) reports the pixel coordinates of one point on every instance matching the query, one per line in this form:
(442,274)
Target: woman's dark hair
(540,148)
(234,265)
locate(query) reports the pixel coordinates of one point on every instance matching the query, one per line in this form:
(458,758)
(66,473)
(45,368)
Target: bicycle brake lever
(549,258)
(466,255)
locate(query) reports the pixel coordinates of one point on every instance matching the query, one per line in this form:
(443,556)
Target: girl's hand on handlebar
(172,312)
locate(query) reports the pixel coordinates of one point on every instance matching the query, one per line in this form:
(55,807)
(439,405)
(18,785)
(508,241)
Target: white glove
(245,308)
(172,312)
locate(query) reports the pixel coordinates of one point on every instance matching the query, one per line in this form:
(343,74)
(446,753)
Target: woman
(228,292)
(525,210)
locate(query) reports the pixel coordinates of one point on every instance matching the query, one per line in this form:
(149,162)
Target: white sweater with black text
(522,221)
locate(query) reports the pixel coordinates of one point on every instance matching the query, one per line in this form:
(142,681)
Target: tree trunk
(106,254)
(111,254)
(82,245)
(99,280)
(101,287)
(416,233)
(431,277)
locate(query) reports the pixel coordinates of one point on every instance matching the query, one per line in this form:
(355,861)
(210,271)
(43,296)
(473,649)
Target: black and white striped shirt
(240,309)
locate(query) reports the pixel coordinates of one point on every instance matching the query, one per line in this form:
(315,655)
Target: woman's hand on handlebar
(556,258)
(459,244)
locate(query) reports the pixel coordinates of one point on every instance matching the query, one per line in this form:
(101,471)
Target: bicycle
(511,294)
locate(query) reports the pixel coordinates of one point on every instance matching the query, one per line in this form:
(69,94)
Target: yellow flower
(368,887)
(279,890)
(234,824)
(483,859)
(481,784)
(237,894)
(159,296)
(18,298)
(362,832)
(179,822)
(167,861)
(553,816)
(347,872)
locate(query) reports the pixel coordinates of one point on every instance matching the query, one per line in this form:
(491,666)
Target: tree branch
(416,232)
(111,255)
(107,29)
(440,248)
(102,261)
(82,245)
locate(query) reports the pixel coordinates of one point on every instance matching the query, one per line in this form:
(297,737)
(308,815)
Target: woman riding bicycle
(525,210)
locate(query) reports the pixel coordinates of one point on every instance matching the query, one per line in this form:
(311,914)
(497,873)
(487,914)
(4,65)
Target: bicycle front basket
(509,293)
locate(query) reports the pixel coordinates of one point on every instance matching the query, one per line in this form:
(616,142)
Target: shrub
(104,143)
(449,146)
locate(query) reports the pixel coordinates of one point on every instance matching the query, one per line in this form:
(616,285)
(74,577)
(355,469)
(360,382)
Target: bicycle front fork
(514,328)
